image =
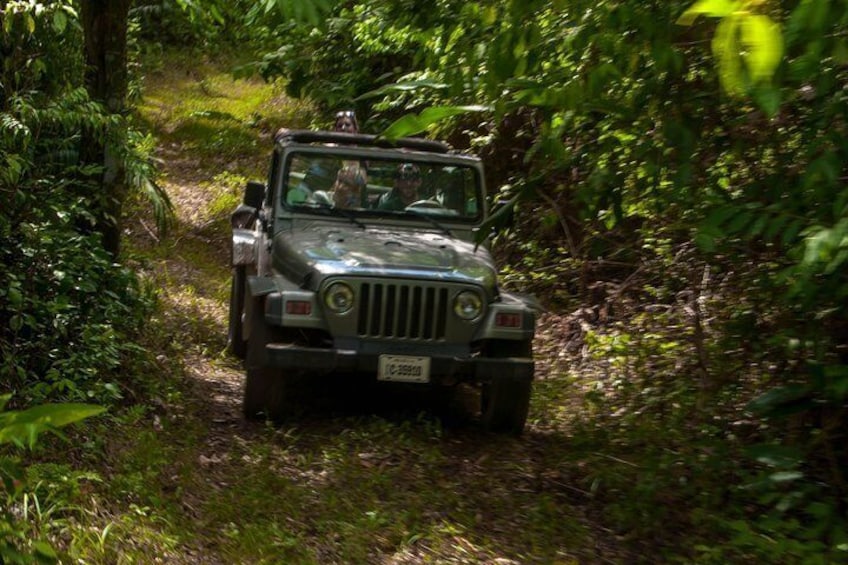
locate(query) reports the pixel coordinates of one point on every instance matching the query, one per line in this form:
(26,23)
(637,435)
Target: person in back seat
(346,122)
(348,188)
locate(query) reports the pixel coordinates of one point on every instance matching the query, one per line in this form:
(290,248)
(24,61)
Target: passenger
(346,122)
(452,195)
(405,190)
(317,178)
(348,188)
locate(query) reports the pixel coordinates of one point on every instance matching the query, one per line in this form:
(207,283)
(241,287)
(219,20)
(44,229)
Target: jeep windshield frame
(365,183)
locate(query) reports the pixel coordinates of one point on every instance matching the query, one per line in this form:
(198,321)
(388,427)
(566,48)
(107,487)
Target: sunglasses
(408,172)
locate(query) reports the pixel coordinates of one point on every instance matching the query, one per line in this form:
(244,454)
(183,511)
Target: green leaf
(719,216)
(412,124)
(786,476)
(840,52)
(816,246)
(601,76)
(709,8)
(798,21)
(739,222)
(706,242)
(407,86)
(60,21)
(782,401)
(726,49)
(837,381)
(216,14)
(779,456)
(44,549)
(791,233)
(775,227)
(499,216)
(763,44)
(768,99)
(22,428)
(12,473)
(311,12)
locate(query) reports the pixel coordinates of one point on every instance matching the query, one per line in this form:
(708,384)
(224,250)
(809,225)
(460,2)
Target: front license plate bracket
(403,369)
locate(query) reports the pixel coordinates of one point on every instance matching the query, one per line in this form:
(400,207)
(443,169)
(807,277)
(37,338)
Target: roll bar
(284,135)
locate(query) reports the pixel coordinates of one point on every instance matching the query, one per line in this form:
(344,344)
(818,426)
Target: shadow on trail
(352,395)
(427,469)
(409,468)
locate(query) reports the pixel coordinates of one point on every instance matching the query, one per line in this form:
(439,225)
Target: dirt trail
(340,485)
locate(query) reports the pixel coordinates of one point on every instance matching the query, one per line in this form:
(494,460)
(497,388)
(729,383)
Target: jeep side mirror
(247,212)
(254,194)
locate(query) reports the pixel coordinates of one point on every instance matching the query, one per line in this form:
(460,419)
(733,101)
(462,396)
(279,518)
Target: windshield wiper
(441,227)
(333,211)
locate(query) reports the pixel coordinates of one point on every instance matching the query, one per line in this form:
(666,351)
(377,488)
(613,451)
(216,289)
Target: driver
(405,191)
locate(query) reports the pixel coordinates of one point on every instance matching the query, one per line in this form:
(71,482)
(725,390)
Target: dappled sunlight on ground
(363,474)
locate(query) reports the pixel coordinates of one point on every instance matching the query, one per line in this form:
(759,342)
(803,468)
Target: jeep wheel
(235,338)
(505,402)
(265,387)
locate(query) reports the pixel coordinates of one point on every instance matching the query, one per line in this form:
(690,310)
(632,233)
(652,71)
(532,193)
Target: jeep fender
(276,291)
(525,306)
(244,244)
(257,287)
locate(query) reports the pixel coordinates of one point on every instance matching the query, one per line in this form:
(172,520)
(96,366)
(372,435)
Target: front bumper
(442,369)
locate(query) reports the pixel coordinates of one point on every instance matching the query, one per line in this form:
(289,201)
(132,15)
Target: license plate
(404,369)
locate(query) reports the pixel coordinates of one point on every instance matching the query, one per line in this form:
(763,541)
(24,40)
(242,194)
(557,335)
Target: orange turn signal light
(508,320)
(299,307)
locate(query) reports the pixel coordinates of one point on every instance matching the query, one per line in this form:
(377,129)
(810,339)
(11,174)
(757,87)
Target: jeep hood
(313,254)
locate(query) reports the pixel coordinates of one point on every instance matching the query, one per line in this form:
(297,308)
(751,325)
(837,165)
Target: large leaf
(725,47)
(763,45)
(778,456)
(412,124)
(782,401)
(406,86)
(710,8)
(22,428)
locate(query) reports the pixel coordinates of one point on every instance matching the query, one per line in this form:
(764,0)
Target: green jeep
(358,257)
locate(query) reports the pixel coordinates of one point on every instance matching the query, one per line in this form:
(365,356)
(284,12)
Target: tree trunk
(105,25)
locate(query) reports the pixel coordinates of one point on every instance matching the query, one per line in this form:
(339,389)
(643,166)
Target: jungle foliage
(68,309)
(687,162)
(672,172)
(69,314)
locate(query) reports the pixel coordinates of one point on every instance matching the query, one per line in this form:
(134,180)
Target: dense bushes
(68,311)
(71,312)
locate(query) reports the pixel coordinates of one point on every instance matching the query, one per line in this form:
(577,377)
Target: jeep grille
(403,311)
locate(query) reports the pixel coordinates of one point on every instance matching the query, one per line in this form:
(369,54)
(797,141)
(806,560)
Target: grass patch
(198,106)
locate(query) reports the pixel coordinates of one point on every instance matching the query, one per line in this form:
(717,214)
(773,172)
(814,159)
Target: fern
(141,178)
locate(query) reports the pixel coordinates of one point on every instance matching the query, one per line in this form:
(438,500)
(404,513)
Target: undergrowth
(639,449)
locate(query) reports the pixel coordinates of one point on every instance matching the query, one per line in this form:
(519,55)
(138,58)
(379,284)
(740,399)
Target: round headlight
(468,305)
(339,297)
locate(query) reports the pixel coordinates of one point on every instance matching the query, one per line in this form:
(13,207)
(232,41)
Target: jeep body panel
(320,250)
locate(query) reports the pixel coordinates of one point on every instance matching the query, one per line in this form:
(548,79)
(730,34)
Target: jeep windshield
(418,186)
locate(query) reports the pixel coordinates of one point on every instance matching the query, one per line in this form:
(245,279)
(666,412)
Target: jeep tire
(235,338)
(505,401)
(265,387)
